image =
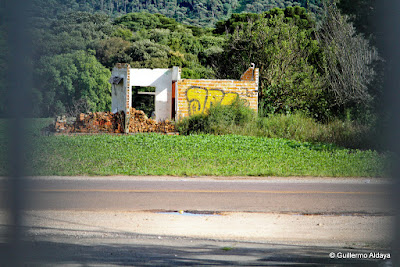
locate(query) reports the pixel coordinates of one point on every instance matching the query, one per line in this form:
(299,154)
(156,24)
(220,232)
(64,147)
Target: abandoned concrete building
(175,98)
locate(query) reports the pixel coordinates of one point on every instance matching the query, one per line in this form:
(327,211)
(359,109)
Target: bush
(292,126)
(301,128)
(241,120)
(220,119)
(195,124)
(348,134)
(223,119)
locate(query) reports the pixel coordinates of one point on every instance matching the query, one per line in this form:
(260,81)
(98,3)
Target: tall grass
(241,120)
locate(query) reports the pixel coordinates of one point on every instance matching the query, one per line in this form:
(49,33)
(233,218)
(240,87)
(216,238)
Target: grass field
(227,155)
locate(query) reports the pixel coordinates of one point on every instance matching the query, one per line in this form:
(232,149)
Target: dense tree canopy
(198,13)
(65,79)
(363,15)
(281,44)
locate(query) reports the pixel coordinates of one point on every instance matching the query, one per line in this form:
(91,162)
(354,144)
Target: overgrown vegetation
(320,79)
(241,120)
(203,13)
(228,155)
(302,66)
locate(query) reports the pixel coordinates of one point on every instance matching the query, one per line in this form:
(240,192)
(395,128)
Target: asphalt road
(313,196)
(57,232)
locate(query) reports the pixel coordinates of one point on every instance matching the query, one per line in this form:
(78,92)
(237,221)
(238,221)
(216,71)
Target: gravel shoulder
(316,230)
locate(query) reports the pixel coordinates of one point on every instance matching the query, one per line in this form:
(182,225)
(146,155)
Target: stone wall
(196,96)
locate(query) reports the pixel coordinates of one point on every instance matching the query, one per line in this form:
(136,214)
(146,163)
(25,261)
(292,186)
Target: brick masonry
(196,96)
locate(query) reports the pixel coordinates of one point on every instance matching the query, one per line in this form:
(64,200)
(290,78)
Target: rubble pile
(139,123)
(107,122)
(99,122)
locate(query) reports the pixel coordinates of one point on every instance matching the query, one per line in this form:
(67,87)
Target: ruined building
(176,98)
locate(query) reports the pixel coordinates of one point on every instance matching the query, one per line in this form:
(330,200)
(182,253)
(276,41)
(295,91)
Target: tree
(70,32)
(64,79)
(349,59)
(285,54)
(111,51)
(362,13)
(147,54)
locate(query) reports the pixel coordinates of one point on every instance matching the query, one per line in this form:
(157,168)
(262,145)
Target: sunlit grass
(193,155)
(227,155)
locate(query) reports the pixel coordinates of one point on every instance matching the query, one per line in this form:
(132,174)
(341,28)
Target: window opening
(143,98)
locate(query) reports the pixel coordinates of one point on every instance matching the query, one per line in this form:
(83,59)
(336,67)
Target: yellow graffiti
(200,99)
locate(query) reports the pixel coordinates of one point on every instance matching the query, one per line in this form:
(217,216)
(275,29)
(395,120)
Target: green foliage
(161,42)
(296,15)
(112,50)
(302,128)
(228,155)
(200,13)
(145,103)
(70,32)
(65,69)
(239,119)
(195,124)
(350,63)
(147,54)
(143,20)
(123,33)
(363,15)
(65,79)
(143,40)
(219,119)
(235,21)
(281,45)
(281,42)
(226,118)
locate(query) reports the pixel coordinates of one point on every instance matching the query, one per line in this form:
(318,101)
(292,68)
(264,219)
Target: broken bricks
(107,122)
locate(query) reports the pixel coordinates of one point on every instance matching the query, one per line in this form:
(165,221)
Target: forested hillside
(317,65)
(190,12)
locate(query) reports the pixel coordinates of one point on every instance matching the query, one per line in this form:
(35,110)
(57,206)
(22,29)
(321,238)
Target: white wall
(161,79)
(118,91)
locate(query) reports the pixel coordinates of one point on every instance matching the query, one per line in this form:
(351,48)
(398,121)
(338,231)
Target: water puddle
(191,213)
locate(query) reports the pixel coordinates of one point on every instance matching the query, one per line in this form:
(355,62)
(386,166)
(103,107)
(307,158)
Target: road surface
(132,221)
(312,196)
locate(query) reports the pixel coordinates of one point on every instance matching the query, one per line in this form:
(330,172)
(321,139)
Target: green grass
(153,154)
(226,155)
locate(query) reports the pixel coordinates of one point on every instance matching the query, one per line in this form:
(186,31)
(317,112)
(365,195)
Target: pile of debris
(140,123)
(107,122)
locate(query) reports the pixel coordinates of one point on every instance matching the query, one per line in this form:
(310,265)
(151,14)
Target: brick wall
(196,96)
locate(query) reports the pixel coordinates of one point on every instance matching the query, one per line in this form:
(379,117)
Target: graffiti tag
(200,99)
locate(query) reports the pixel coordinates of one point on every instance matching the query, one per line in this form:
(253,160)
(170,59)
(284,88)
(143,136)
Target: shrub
(193,125)
(301,128)
(348,134)
(220,119)
(239,119)
(223,119)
